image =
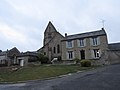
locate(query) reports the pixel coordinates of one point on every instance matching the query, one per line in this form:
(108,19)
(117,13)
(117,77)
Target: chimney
(103,29)
(65,34)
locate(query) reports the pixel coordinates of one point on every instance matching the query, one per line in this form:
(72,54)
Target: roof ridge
(85,33)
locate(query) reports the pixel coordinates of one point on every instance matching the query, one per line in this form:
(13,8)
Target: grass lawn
(39,72)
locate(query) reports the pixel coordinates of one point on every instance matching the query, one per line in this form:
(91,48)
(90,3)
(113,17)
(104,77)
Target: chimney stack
(65,34)
(103,29)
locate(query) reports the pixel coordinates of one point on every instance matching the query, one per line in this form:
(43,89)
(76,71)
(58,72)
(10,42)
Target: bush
(85,63)
(43,59)
(77,60)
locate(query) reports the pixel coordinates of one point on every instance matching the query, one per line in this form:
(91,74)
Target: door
(82,53)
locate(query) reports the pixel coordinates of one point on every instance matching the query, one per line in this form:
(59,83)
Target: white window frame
(96,53)
(70,55)
(95,41)
(81,42)
(69,44)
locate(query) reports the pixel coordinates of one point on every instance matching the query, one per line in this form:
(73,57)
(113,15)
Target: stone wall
(110,57)
(113,57)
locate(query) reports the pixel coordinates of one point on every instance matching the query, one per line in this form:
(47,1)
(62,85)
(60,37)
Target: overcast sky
(22,22)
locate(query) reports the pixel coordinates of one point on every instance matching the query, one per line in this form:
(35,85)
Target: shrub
(43,59)
(77,60)
(85,63)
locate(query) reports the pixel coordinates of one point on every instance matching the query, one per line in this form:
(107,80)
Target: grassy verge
(39,72)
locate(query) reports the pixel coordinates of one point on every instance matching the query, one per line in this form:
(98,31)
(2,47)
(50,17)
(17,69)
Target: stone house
(26,58)
(9,57)
(90,45)
(14,57)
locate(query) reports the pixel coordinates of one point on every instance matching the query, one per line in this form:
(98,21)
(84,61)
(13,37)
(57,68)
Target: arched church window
(54,50)
(58,48)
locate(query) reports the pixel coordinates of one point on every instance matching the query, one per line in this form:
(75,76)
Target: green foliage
(42,58)
(85,63)
(38,72)
(77,60)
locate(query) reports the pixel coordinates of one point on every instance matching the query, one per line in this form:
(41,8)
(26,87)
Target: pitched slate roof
(114,46)
(10,52)
(85,35)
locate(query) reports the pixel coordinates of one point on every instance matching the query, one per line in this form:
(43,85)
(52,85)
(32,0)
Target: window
(81,42)
(69,44)
(95,41)
(44,53)
(58,48)
(54,50)
(70,54)
(96,53)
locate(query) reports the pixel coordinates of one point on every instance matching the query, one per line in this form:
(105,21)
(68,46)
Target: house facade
(89,45)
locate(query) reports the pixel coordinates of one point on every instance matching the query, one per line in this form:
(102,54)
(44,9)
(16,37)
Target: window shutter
(72,43)
(98,40)
(67,55)
(66,44)
(99,52)
(91,41)
(78,43)
(73,55)
(92,54)
(84,42)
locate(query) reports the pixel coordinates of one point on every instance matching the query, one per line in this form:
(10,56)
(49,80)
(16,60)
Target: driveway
(105,78)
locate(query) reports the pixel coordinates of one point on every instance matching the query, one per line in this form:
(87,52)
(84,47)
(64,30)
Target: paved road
(107,78)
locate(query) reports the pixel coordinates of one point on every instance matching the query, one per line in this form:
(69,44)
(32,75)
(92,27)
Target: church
(89,45)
